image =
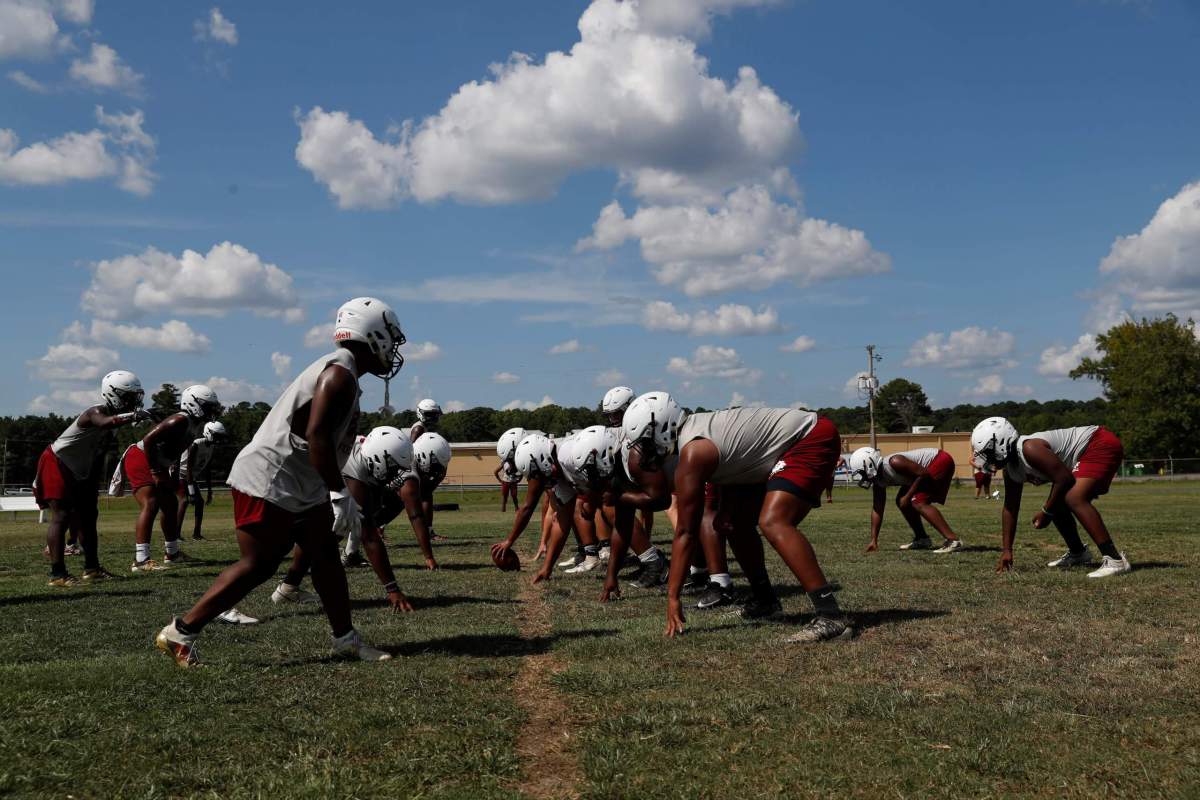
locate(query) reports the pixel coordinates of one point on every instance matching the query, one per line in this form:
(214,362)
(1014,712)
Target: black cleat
(696,583)
(758,609)
(716,596)
(822,629)
(653,575)
(352,560)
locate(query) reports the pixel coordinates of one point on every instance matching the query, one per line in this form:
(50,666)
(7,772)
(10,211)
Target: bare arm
(565,517)
(878,504)
(914,472)
(653,491)
(697,461)
(533,495)
(158,444)
(376,552)
(618,544)
(333,399)
(411,495)
(95,417)
(1008,521)
(1044,460)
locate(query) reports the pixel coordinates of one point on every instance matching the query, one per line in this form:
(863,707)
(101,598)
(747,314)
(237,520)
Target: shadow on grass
(979,548)
(865,620)
(1157,565)
(68,595)
(446,567)
(438,601)
(439,545)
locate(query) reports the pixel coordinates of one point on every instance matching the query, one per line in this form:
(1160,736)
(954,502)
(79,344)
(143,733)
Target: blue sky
(947,180)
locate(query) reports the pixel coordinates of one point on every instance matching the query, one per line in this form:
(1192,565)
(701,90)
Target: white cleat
(235,617)
(604,554)
(950,545)
(284,594)
(588,564)
(351,646)
(1068,559)
(918,544)
(1112,566)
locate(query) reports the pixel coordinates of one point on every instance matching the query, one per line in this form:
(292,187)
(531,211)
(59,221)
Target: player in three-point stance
(66,484)
(150,464)
(1078,463)
(780,459)
(194,463)
(923,477)
(288,488)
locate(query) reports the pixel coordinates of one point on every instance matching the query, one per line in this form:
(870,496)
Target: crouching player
(287,482)
(429,414)
(779,459)
(195,462)
(65,484)
(923,477)
(1078,463)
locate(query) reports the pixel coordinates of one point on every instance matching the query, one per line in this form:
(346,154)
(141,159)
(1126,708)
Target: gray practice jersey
(355,467)
(748,440)
(1067,443)
(189,466)
(275,465)
(889,477)
(76,448)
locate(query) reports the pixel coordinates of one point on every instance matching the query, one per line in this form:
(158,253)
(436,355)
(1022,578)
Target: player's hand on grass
(398,602)
(1006,562)
(542,575)
(872,547)
(1041,520)
(430,564)
(611,591)
(540,554)
(675,618)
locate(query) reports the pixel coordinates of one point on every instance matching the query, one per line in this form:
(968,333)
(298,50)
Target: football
(509,562)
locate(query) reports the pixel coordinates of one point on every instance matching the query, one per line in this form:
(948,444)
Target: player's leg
(261,547)
(741,510)
(288,590)
(182,501)
(920,540)
(86,514)
(198,518)
(318,546)
(147,500)
(1079,502)
(56,533)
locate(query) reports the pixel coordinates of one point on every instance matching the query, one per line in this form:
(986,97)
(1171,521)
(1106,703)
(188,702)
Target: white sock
(722,578)
(172,548)
(650,555)
(287,588)
(141,552)
(696,570)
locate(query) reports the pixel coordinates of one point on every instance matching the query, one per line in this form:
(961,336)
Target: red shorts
(1101,459)
(806,468)
(941,472)
(980,479)
(137,468)
(53,482)
(249,512)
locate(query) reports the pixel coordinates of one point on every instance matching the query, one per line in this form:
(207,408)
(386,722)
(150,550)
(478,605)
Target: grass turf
(962,683)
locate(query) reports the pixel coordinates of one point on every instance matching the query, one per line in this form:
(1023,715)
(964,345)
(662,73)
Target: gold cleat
(64,581)
(178,646)
(97,574)
(149,565)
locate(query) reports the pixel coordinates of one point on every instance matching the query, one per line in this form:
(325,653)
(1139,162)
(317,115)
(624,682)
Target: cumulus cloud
(64,401)
(801,344)
(104,69)
(505,377)
(421,351)
(174,336)
(969,348)
(234,390)
(71,361)
(710,361)
(451,406)
(216,27)
(610,377)
(319,336)
(1158,269)
(282,364)
(726,320)
(228,278)
(992,386)
(119,148)
(29,28)
(527,405)
(851,388)
(1057,362)
(738,400)
(562,348)
(26,81)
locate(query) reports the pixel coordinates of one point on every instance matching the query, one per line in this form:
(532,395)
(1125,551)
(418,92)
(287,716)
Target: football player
(195,462)
(923,477)
(429,414)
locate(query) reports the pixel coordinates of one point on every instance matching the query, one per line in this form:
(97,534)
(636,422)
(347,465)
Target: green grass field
(963,683)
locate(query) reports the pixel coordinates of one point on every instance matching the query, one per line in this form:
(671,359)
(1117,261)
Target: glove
(347,518)
(141,415)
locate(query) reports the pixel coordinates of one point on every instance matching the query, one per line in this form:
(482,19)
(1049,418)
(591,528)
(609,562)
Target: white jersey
(76,448)
(355,466)
(887,476)
(275,465)
(509,473)
(188,466)
(749,441)
(1067,443)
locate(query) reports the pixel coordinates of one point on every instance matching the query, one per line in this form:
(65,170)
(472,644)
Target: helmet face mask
(864,464)
(651,426)
(373,323)
(994,442)
(200,402)
(387,452)
(215,432)
(431,456)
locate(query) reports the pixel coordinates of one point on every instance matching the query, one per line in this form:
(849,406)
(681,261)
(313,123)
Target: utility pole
(872,384)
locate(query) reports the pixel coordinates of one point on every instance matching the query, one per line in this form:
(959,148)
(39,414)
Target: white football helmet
(387,452)
(431,456)
(654,417)
(122,391)
(200,402)
(592,454)
(864,465)
(506,448)
(215,432)
(372,322)
(535,456)
(994,440)
(616,400)
(428,412)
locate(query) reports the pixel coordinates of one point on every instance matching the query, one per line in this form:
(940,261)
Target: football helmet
(122,391)
(372,322)
(994,440)
(864,464)
(431,456)
(387,452)
(200,402)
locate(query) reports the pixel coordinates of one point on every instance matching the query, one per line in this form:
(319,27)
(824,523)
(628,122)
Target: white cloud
(550,286)
(505,377)
(737,399)
(216,28)
(745,240)
(850,388)
(228,278)
(690,18)
(992,386)
(1158,269)
(451,406)
(28,28)
(801,405)
(421,351)
(282,364)
(174,336)
(234,390)
(319,336)
(610,378)
(76,11)
(562,348)
(726,320)
(73,362)
(25,81)
(801,344)
(1057,362)
(104,69)
(64,401)
(527,405)
(357,168)
(122,150)
(969,348)
(710,361)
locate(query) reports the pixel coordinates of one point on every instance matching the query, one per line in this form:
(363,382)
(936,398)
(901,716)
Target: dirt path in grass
(546,742)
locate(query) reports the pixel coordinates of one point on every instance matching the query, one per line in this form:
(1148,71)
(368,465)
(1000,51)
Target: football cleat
(72,550)
(198,537)
(716,596)
(695,583)
(757,609)
(653,574)
(1112,566)
(924,543)
(351,646)
(97,574)
(572,561)
(949,546)
(63,581)
(284,594)
(604,554)
(149,565)
(352,560)
(588,564)
(180,646)
(235,617)
(822,629)
(1068,559)
(178,558)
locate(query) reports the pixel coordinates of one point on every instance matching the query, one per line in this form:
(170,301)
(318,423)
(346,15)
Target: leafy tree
(1150,371)
(166,399)
(900,404)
